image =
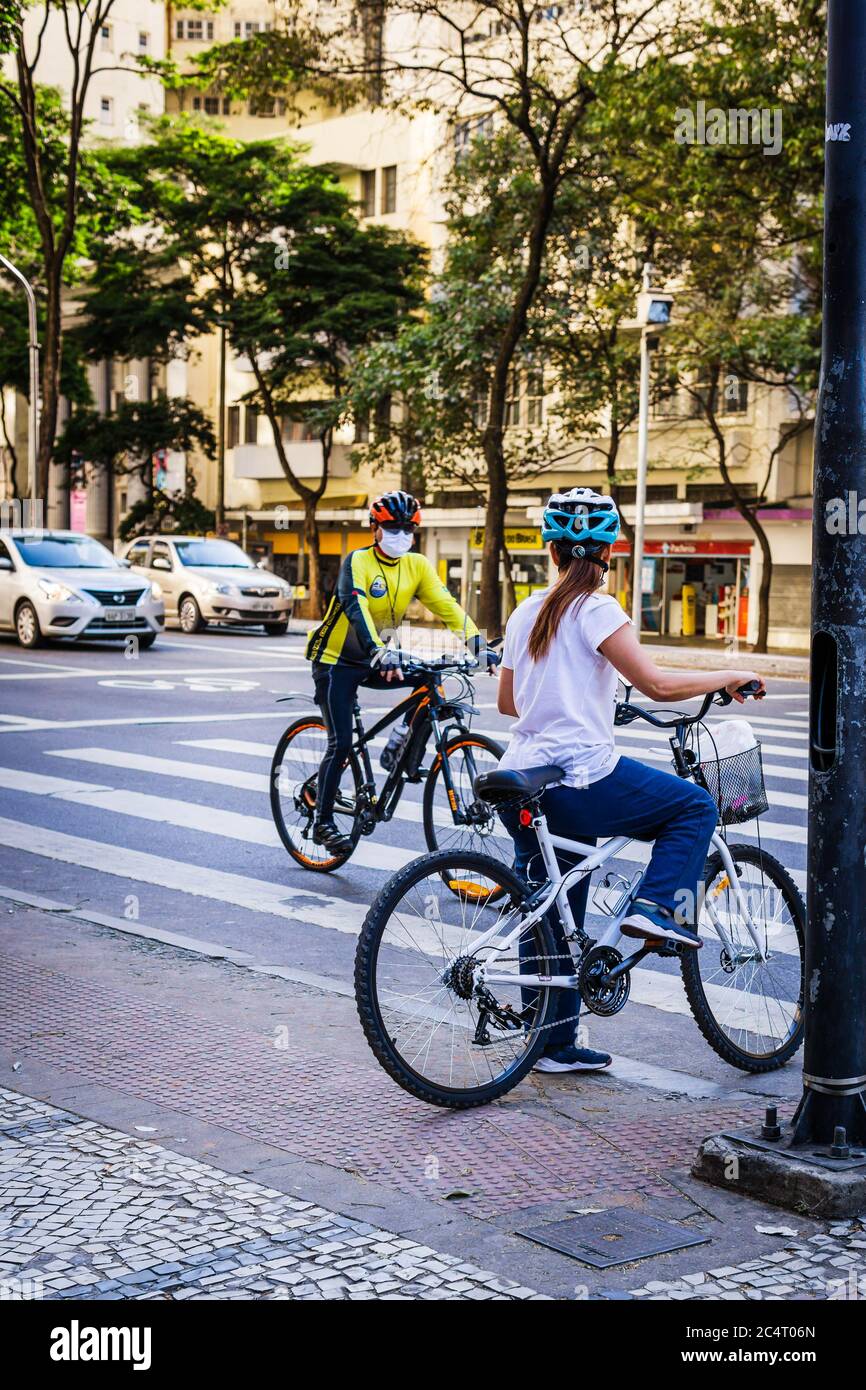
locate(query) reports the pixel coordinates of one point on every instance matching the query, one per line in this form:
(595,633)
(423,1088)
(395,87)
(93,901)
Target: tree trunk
(316,601)
(490,609)
(490,612)
(49,385)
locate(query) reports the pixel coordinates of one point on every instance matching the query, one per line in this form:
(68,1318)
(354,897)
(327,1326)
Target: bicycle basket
(736,784)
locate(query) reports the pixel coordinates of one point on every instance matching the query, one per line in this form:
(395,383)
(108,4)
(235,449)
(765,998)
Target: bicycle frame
(428,703)
(556,892)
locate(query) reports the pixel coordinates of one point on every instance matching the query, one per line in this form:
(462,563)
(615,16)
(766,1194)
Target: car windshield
(66,553)
(221,555)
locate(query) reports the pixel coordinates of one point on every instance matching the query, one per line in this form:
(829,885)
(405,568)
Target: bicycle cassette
(599,993)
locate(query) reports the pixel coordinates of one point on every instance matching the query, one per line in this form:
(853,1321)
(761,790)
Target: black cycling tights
(336,692)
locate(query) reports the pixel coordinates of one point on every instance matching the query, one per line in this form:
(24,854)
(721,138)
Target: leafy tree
(45,146)
(742,228)
(314,288)
(123,442)
(178,511)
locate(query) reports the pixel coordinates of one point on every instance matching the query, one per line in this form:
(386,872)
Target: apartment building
(118,100)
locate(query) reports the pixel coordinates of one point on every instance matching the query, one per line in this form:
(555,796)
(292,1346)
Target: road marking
(186,815)
(254,894)
(37,725)
(224,777)
(101,672)
(34,665)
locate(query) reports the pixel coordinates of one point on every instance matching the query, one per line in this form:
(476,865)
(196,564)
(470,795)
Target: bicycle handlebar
(626,712)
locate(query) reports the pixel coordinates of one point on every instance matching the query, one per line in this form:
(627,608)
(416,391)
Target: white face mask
(396,543)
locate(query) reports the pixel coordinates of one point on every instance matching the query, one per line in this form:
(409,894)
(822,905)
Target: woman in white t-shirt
(564,651)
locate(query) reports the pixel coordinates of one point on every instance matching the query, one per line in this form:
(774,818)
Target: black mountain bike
(453,817)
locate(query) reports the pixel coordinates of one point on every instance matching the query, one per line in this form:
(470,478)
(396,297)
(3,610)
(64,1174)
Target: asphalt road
(137,790)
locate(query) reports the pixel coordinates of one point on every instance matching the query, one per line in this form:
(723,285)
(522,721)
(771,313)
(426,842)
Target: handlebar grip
(750,688)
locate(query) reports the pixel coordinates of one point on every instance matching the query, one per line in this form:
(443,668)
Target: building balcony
(260,461)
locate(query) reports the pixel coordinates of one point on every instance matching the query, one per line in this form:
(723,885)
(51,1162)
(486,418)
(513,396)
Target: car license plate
(261,607)
(120,615)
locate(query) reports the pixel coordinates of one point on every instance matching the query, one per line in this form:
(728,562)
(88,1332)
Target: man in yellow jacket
(375,587)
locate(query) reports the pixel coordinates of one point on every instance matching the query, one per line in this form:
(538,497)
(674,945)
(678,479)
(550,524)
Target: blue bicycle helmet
(582,519)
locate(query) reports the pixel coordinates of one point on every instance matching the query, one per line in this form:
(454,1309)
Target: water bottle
(394,747)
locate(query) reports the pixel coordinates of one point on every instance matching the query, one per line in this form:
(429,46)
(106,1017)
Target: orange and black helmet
(395,508)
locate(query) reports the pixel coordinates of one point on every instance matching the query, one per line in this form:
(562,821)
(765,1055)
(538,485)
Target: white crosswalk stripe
(212,765)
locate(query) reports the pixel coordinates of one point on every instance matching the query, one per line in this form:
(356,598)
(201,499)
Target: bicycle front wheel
(750,1010)
(294,778)
(436,1027)
(466,822)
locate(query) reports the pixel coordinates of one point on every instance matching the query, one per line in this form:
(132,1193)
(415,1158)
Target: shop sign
(697,548)
(516,538)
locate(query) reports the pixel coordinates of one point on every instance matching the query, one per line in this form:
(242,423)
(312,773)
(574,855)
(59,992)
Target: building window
(212,106)
(512,400)
(143,41)
(382,419)
(297,431)
(734,394)
(481,407)
(249,27)
(106,111)
(233,430)
(194,30)
(368,192)
(389,189)
(105,36)
(362,429)
(251,425)
(535,396)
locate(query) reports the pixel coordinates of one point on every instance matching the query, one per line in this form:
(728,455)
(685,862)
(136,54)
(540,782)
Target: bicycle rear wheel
(440,1035)
(750,1011)
(294,776)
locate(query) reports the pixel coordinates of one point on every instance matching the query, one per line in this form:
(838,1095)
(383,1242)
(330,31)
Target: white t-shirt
(565,701)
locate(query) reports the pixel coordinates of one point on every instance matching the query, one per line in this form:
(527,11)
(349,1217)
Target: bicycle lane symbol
(199,684)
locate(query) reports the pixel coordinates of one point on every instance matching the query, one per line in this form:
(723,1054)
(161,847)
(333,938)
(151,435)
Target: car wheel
(146,642)
(189,615)
(27,626)
(276,629)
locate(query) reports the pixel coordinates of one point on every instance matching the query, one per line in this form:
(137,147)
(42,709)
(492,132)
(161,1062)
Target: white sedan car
(64,584)
(208,580)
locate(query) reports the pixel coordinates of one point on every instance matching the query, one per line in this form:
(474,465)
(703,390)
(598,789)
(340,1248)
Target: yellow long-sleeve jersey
(372,595)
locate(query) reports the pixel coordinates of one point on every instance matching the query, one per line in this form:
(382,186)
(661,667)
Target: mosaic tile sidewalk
(87,1212)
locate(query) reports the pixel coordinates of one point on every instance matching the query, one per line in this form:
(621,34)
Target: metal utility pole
(642,461)
(834,1067)
(33,354)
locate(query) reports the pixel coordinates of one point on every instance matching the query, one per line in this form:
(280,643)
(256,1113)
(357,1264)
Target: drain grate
(616,1237)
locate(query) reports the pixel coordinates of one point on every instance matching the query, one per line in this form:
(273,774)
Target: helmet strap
(580,552)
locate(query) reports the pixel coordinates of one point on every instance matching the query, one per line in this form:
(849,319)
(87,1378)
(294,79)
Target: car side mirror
(6,565)
(159,562)
(125,564)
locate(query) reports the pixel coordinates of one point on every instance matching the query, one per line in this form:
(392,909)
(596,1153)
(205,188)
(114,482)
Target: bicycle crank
(602,992)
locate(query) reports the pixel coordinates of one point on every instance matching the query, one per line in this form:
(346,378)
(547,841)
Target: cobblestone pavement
(823,1266)
(91,1213)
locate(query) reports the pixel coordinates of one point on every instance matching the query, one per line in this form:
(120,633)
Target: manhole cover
(615,1237)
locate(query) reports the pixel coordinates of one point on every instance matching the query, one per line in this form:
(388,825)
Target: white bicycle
(458,958)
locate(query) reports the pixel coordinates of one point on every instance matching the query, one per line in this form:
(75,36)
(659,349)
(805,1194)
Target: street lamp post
(33,354)
(653,313)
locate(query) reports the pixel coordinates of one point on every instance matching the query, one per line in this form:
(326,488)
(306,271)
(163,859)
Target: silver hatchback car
(208,580)
(65,584)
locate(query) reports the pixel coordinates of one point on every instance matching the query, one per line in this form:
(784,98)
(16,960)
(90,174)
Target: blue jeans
(633,800)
